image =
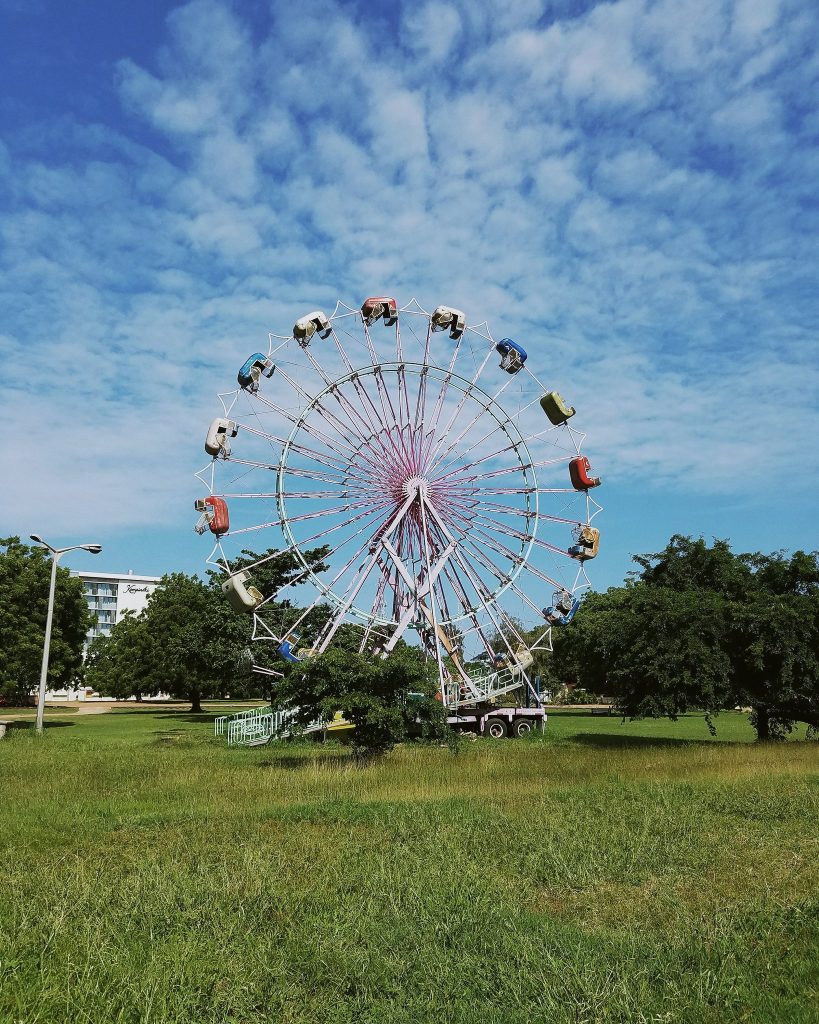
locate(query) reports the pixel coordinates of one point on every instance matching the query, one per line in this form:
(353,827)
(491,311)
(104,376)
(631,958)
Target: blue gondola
(556,617)
(286,651)
(513,356)
(252,370)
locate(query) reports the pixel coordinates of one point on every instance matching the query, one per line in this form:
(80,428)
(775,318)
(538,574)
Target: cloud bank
(627,188)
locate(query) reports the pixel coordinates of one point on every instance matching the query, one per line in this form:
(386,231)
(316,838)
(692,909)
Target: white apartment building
(110,595)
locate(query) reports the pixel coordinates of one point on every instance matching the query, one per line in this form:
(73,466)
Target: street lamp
(56,553)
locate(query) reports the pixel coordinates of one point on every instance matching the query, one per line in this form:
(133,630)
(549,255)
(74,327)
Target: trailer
(497,723)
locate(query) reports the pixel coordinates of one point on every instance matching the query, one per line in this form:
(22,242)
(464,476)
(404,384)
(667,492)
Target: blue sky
(628,188)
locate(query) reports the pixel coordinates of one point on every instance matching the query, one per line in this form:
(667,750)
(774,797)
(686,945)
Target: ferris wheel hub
(416,486)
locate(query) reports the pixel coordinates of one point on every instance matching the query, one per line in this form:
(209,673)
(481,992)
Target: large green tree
(196,639)
(124,663)
(25,574)
(387,700)
(701,627)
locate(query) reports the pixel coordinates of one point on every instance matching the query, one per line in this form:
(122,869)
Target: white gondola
(242,596)
(252,370)
(314,323)
(217,441)
(444,317)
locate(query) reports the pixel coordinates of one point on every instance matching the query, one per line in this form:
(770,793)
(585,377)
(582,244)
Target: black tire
(521,727)
(495,728)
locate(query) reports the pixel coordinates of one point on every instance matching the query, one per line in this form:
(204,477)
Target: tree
(24,584)
(387,700)
(123,664)
(655,651)
(196,640)
(702,627)
(775,634)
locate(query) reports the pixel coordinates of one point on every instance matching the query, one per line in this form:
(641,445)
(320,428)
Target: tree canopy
(122,664)
(386,700)
(190,643)
(25,576)
(701,627)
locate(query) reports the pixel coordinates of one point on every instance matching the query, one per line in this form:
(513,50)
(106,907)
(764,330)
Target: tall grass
(598,873)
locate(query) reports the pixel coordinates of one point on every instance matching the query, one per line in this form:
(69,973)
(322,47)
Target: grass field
(603,872)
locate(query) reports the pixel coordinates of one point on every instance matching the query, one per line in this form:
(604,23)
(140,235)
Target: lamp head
(93,548)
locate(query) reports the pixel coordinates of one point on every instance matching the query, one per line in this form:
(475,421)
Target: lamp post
(56,554)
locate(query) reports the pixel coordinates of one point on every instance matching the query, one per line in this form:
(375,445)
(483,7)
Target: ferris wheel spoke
(442,393)
(439,457)
(309,428)
(471,516)
(421,402)
(315,474)
(251,463)
(338,424)
(325,460)
(455,475)
(477,462)
(490,566)
(325,513)
(388,411)
(350,596)
(302,495)
(326,589)
(253,529)
(492,506)
(326,531)
(467,392)
(489,600)
(350,410)
(525,441)
(475,503)
(489,604)
(451,572)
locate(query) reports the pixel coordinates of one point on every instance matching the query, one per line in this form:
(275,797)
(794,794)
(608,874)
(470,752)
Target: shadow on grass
(611,742)
(579,713)
(189,716)
(29,725)
(181,715)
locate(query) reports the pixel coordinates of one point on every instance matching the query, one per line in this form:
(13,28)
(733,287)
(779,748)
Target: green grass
(603,872)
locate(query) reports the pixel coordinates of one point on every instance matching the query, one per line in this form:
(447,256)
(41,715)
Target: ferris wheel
(446,479)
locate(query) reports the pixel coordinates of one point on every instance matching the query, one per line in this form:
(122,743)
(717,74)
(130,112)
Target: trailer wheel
(496,728)
(522,727)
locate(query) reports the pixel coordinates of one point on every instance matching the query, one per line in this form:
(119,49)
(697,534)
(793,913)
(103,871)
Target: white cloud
(556,179)
(431,30)
(752,18)
(748,112)
(398,124)
(685,37)
(601,63)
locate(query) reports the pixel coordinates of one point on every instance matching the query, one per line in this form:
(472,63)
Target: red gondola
(378,306)
(579,472)
(215,515)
